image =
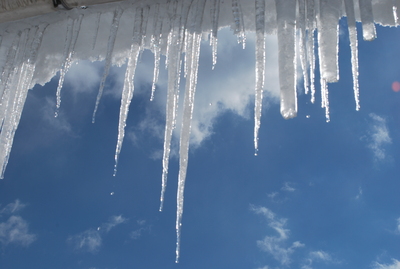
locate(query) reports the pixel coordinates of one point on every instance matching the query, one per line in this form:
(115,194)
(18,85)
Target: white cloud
(83,76)
(12,208)
(138,233)
(91,239)
(275,245)
(320,255)
(379,136)
(398,226)
(288,187)
(394,265)
(15,231)
(317,256)
(114,221)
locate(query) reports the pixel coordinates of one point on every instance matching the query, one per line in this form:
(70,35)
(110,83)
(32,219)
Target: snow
(34,49)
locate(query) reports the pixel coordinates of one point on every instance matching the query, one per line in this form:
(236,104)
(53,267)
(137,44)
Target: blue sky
(318,195)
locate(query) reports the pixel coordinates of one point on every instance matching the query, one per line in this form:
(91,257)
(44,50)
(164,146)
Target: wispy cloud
(320,255)
(136,234)
(317,256)
(379,136)
(360,192)
(288,187)
(15,230)
(12,208)
(394,265)
(275,245)
(114,221)
(91,239)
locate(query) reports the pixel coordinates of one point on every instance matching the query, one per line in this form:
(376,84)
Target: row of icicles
(301,17)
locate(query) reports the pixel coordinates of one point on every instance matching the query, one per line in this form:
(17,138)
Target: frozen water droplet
(112,193)
(308,116)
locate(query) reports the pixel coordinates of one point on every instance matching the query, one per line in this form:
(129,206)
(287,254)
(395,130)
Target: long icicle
(156,43)
(110,48)
(127,92)
(351,22)
(260,67)
(188,104)
(72,36)
(301,26)
(173,63)
(310,10)
(215,5)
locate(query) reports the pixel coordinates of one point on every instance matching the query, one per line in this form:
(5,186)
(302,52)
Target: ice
(156,43)
(286,19)
(351,22)
(96,32)
(110,48)
(73,29)
(260,67)
(214,30)
(328,38)
(239,22)
(367,19)
(127,92)
(34,49)
(311,25)
(193,38)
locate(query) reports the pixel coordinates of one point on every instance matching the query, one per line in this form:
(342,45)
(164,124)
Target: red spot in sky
(396,86)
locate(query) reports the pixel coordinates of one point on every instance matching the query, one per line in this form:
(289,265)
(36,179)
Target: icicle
(300,24)
(367,19)
(214,30)
(8,67)
(73,28)
(351,22)
(260,67)
(110,48)
(174,48)
(310,45)
(127,92)
(171,107)
(328,38)
(96,32)
(286,13)
(185,133)
(156,43)
(15,98)
(325,99)
(395,17)
(239,23)
(188,104)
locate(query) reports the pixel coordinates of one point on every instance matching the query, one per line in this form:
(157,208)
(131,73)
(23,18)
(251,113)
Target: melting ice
(34,49)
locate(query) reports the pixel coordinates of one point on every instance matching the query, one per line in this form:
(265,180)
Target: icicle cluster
(32,51)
